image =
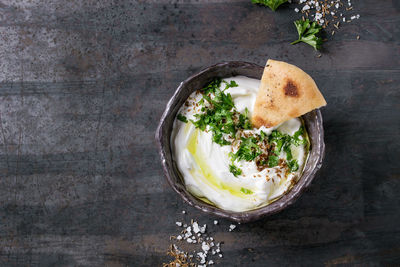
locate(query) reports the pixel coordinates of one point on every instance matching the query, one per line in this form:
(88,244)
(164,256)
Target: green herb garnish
(272,4)
(248,150)
(219,112)
(308,33)
(219,115)
(272,161)
(296,140)
(181,118)
(235,170)
(246,191)
(293,165)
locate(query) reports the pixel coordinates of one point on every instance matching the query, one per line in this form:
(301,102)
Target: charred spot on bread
(291,89)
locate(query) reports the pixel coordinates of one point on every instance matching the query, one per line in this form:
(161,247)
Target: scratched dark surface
(83,86)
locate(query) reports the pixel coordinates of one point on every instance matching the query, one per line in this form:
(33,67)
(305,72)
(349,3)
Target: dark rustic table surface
(83,86)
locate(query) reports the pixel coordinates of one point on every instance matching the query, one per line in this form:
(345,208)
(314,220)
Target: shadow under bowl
(312,120)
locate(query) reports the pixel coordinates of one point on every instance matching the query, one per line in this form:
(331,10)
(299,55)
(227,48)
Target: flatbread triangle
(285,92)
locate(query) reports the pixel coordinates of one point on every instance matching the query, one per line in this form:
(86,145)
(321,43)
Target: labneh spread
(226,161)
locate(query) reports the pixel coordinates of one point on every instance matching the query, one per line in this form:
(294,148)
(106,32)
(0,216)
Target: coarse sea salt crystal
(196,228)
(215,222)
(205,247)
(296,10)
(178,223)
(231,227)
(306,7)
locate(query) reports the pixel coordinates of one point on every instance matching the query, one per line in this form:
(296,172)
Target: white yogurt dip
(204,164)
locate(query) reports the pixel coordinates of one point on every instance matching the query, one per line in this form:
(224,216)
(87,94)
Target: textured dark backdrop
(83,86)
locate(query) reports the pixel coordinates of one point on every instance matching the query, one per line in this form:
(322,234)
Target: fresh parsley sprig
(308,33)
(272,4)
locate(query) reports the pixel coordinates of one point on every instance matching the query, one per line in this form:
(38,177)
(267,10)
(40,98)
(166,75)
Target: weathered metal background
(84,83)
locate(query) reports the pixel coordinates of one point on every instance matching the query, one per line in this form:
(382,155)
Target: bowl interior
(313,123)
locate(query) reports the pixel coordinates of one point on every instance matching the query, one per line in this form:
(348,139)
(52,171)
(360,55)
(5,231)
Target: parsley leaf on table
(308,33)
(272,4)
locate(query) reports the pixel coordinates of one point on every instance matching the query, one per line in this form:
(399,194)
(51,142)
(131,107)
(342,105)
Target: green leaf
(262,136)
(296,137)
(246,191)
(288,151)
(182,118)
(235,170)
(230,84)
(273,161)
(248,150)
(272,4)
(308,33)
(293,165)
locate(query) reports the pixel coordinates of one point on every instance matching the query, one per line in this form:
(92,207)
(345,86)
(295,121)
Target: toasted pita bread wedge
(285,92)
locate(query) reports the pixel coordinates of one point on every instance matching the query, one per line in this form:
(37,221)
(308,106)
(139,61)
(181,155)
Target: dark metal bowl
(313,122)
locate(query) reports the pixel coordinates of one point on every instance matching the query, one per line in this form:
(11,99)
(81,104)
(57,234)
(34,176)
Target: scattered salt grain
(231,227)
(196,228)
(178,223)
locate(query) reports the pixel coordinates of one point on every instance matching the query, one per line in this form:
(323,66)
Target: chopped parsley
(272,4)
(219,115)
(235,170)
(246,191)
(293,165)
(248,150)
(308,33)
(182,118)
(273,161)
